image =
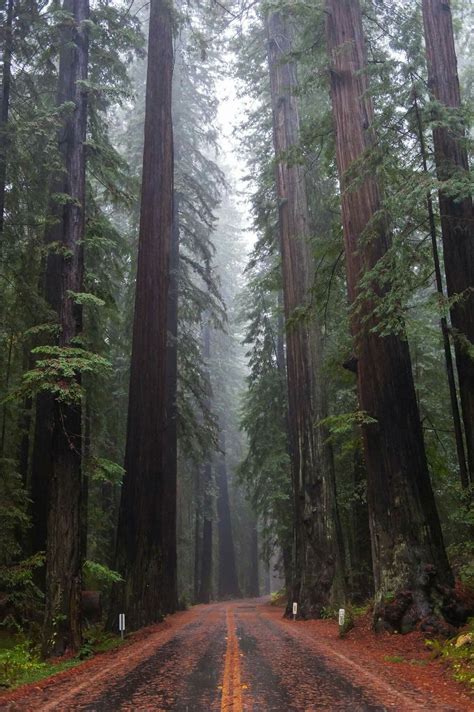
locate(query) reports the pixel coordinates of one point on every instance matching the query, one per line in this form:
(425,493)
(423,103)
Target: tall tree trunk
(286,543)
(170,466)
(254,581)
(318,561)
(5,104)
(197,536)
(62,628)
(206,480)
(409,558)
(360,552)
(228,584)
(457,219)
(140,550)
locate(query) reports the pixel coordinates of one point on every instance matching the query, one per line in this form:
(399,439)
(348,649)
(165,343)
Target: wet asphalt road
(231,657)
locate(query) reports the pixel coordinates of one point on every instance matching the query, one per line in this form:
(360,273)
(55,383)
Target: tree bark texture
(62,628)
(360,553)
(457,219)
(408,553)
(318,560)
(5,103)
(170,451)
(140,548)
(228,584)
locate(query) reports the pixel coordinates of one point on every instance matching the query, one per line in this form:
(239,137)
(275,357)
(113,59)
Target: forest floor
(242,655)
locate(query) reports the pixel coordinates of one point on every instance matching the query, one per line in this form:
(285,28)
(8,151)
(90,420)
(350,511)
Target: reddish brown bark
(407,544)
(457,219)
(318,562)
(63,481)
(140,555)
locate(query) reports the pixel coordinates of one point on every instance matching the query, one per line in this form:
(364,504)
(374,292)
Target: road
(234,656)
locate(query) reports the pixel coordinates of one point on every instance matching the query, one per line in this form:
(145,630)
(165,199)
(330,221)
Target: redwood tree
(63,278)
(318,562)
(140,554)
(409,558)
(457,219)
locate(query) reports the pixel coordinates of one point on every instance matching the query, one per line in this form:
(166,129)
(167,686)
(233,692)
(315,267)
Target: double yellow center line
(232,685)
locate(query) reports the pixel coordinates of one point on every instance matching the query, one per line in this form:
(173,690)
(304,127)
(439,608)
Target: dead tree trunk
(409,558)
(457,219)
(64,270)
(318,561)
(144,499)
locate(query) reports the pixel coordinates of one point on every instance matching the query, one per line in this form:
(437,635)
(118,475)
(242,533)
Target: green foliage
(96,640)
(59,370)
(394,658)
(106,471)
(22,600)
(14,519)
(18,663)
(86,299)
(98,576)
(343,423)
(457,653)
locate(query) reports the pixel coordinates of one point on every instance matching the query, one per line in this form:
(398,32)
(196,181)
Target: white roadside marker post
(342,617)
(121,624)
(295,610)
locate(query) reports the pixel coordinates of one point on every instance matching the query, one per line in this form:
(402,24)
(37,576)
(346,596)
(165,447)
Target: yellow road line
(232,686)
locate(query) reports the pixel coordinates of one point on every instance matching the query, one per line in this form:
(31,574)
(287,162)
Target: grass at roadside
(20,662)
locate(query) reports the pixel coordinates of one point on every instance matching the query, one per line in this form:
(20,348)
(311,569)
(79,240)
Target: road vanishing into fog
(231,656)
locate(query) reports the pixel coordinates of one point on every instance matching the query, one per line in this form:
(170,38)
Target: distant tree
(228,585)
(205,517)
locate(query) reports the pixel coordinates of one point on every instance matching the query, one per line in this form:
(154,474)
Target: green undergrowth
(20,662)
(458,653)
(279,598)
(352,613)
(401,659)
